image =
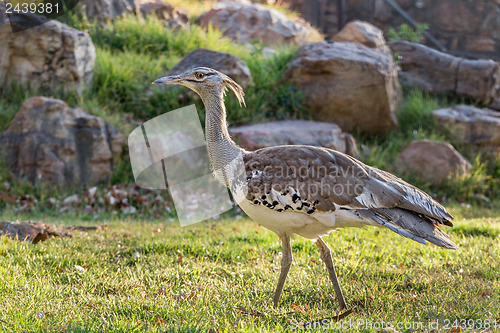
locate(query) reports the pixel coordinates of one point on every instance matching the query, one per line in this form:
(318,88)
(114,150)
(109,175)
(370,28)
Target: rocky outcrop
(294,132)
(348,84)
(245,22)
(468,125)
(363,33)
(49,56)
(434,71)
(48,141)
(171,16)
(495,105)
(431,161)
(33,232)
(224,62)
(462,26)
(104,10)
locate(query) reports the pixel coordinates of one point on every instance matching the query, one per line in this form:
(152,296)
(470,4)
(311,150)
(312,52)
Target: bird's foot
(343,312)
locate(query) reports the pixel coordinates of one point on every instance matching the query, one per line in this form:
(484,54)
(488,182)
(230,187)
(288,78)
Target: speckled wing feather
(408,224)
(310,179)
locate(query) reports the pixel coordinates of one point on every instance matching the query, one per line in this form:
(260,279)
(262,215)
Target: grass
(416,123)
(131,53)
(154,275)
(142,273)
(195,8)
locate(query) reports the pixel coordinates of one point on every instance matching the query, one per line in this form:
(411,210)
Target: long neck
(221,148)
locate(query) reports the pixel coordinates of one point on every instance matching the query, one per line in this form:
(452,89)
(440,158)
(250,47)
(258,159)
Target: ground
(220,276)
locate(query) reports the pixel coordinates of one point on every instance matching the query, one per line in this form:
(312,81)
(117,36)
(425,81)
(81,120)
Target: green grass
(194,278)
(140,275)
(131,53)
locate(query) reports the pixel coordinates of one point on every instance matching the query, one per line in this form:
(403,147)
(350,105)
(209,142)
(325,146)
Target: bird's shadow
(299,314)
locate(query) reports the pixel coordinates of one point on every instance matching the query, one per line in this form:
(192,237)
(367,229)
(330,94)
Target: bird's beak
(174,79)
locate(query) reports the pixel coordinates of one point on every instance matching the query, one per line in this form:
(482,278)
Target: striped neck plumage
(221,148)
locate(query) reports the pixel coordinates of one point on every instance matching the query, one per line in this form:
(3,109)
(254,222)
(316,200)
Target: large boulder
(33,232)
(245,22)
(51,55)
(348,84)
(431,161)
(224,62)
(294,132)
(104,10)
(438,72)
(171,16)
(472,126)
(461,26)
(362,33)
(51,142)
(495,105)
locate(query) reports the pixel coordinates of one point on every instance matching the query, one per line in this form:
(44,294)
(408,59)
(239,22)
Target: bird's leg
(286,263)
(326,257)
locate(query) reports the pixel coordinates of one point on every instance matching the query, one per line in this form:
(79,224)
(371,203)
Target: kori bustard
(310,191)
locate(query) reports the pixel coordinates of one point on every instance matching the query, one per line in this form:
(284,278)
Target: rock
(475,127)
(72,199)
(246,22)
(495,104)
(294,132)
(172,17)
(55,144)
(49,56)
(33,232)
(224,62)
(363,33)
(129,210)
(439,72)
(480,44)
(432,161)
(104,10)
(462,26)
(265,51)
(348,84)
(266,2)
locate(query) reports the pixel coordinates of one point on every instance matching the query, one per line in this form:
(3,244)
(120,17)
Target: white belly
(309,226)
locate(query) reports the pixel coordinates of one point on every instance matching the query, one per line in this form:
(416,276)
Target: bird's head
(205,81)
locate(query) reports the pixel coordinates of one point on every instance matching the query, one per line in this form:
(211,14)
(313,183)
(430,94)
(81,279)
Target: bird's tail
(411,225)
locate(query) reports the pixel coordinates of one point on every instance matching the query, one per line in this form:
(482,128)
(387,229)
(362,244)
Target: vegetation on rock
(132,52)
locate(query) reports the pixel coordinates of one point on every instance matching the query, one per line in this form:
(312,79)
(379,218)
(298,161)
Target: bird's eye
(199,75)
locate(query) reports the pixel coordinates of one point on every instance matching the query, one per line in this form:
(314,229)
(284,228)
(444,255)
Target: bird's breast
(310,226)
